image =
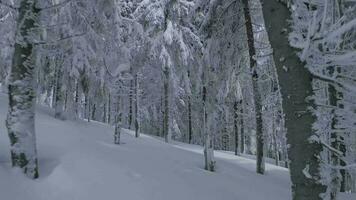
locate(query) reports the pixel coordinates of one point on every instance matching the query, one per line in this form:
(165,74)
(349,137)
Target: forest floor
(78,161)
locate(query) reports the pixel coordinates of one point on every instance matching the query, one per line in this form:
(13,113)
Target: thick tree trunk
(260,164)
(208,143)
(296,87)
(21,115)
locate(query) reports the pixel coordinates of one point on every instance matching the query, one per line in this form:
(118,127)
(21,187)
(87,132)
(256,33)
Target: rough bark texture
(296,86)
(21,116)
(260,166)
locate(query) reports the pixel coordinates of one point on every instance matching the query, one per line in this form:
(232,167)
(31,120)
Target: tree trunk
(59,97)
(118,119)
(166,127)
(76,106)
(260,164)
(109,108)
(236,116)
(242,131)
(190,127)
(296,87)
(208,143)
(130,99)
(137,121)
(21,115)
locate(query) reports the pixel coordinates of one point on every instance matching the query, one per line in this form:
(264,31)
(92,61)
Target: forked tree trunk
(295,87)
(21,115)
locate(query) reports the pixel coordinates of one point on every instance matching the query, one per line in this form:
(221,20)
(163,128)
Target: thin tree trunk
(190,127)
(166,128)
(236,116)
(274,138)
(109,108)
(118,119)
(59,98)
(21,115)
(93,112)
(260,165)
(296,87)
(76,106)
(130,100)
(242,131)
(137,121)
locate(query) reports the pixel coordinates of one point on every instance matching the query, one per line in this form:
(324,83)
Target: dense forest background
(273,79)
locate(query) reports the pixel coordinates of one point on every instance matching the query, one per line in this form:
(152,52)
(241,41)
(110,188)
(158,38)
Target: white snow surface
(78,161)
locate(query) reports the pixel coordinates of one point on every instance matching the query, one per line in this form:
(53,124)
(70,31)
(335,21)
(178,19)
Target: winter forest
(178,99)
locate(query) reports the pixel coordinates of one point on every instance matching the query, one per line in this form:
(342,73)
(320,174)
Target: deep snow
(78,161)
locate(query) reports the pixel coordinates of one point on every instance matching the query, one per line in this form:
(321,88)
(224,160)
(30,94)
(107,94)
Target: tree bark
(260,164)
(208,143)
(21,115)
(295,87)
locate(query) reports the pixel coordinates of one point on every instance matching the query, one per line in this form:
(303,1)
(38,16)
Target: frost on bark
(260,165)
(296,87)
(208,143)
(21,116)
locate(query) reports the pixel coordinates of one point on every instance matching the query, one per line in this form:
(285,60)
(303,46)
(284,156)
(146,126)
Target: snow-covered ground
(78,161)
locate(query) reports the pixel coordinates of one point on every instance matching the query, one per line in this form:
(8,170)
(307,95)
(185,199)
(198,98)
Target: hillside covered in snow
(78,161)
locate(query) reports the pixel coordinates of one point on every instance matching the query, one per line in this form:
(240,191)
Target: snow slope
(78,161)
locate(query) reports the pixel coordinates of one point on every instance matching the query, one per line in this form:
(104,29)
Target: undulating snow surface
(78,161)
